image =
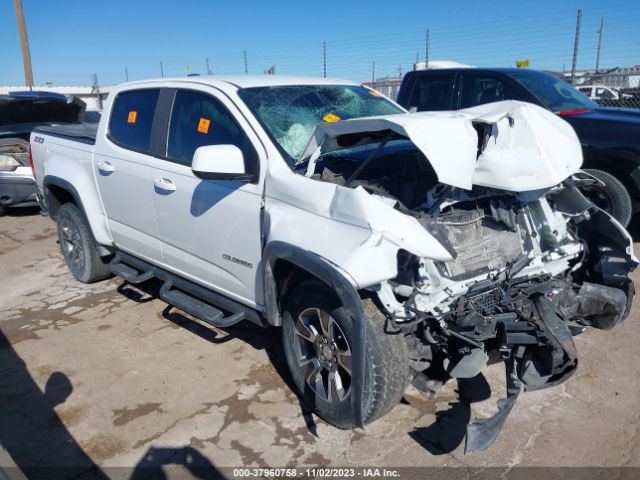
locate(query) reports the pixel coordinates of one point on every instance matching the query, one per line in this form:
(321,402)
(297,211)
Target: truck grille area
(480,242)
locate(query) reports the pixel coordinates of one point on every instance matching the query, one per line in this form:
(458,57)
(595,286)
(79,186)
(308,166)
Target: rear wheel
(77,246)
(318,334)
(613,197)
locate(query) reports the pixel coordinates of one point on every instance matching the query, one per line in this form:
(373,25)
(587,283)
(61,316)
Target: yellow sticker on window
(203,125)
(133,115)
(375,93)
(330,117)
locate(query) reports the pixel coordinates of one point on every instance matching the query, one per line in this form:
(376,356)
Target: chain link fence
(611,89)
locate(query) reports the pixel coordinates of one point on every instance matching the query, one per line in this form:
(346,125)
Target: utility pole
(599,43)
(324,59)
(575,46)
(24,44)
(426,51)
(246,64)
(161,70)
(95,89)
(373,72)
(400,71)
(126,74)
(209,72)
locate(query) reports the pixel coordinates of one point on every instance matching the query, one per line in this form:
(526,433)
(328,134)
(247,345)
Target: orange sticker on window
(203,125)
(133,115)
(330,117)
(375,93)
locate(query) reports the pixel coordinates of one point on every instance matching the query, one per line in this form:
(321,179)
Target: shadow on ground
(43,448)
(450,427)
(26,211)
(30,429)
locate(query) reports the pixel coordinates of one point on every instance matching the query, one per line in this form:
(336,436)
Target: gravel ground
(103,376)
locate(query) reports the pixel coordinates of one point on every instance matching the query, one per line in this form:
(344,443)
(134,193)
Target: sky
(77,38)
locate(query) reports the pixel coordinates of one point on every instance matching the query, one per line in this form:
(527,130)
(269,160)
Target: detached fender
(344,289)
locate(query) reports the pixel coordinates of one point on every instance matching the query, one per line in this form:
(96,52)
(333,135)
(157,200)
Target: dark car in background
(20,113)
(610,137)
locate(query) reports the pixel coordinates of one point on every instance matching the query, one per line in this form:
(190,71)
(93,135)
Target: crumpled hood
(526,147)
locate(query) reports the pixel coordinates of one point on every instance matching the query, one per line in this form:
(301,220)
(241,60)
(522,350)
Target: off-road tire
(386,365)
(618,197)
(78,247)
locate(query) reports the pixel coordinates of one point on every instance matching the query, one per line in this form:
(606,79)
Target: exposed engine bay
(529,270)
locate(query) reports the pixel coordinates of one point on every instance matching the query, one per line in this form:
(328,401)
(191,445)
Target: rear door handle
(164,184)
(106,167)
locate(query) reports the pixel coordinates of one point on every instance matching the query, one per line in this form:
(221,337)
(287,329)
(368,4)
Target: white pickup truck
(390,247)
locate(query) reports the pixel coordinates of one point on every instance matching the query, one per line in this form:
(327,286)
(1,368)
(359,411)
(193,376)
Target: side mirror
(219,162)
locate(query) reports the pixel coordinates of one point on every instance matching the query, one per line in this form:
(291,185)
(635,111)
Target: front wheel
(317,335)
(613,197)
(77,246)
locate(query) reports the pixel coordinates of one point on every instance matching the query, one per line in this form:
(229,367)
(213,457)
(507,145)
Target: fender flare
(344,289)
(52,180)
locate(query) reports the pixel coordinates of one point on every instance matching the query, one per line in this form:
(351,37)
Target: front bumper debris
(551,362)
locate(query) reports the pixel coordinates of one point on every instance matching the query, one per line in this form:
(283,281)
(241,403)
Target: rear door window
(432,93)
(131,119)
(604,93)
(586,91)
(481,89)
(198,119)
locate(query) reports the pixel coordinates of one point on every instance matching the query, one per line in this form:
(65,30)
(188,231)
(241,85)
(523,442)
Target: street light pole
(24,44)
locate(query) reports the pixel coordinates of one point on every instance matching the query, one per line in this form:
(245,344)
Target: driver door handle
(164,184)
(106,167)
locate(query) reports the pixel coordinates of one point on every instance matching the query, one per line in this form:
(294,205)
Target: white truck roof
(246,81)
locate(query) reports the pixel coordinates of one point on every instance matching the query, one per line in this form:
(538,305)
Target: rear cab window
(432,92)
(131,119)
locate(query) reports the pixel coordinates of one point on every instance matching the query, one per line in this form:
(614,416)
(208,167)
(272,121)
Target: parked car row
(390,247)
(610,137)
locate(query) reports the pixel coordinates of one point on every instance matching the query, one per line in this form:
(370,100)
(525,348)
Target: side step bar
(129,274)
(188,296)
(202,310)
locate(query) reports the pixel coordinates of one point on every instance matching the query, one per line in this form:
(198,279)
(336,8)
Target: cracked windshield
(290,113)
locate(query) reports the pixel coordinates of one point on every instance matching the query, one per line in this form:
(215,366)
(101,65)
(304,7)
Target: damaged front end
(524,281)
(529,263)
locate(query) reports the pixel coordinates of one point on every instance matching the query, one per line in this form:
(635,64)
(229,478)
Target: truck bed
(79,132)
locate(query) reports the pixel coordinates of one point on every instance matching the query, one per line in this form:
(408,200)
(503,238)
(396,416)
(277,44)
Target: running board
(199,309)
(195,299)
(130,275)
